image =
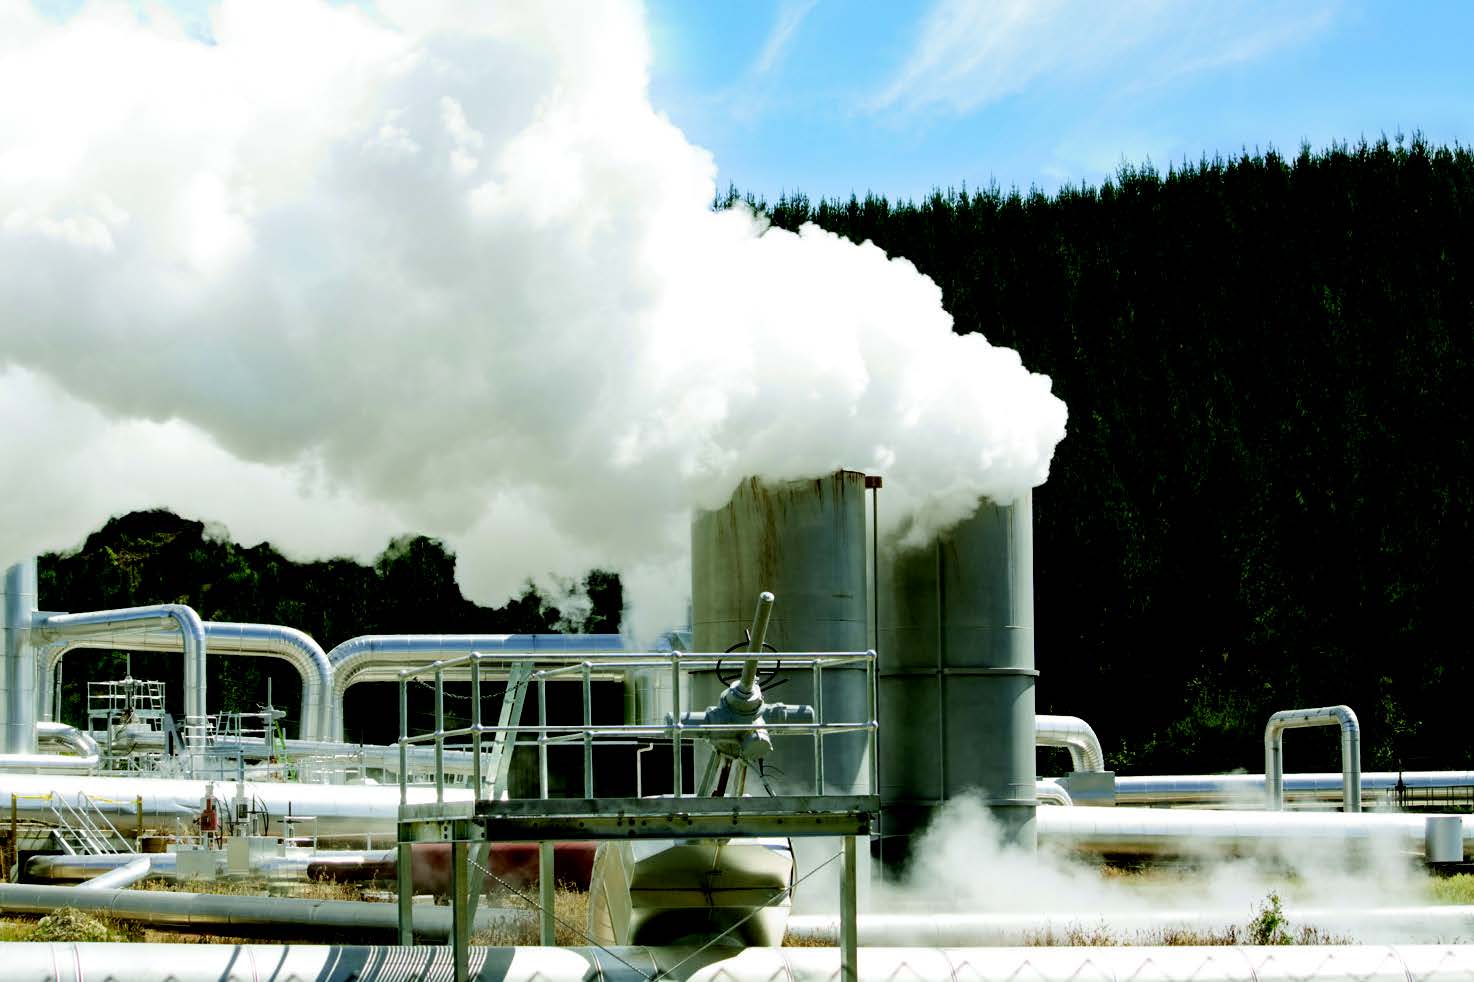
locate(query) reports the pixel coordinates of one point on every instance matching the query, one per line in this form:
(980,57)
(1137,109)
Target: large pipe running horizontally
(1274,751)
(242,916)
(1075,734)
(223,638)
(1282,835)
(77,961)
(356,655)
(1368,925)
(1247,790)
(117,624)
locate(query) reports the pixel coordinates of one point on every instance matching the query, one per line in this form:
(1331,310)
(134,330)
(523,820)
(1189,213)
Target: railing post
(403,739)
(675,723)
(476,726)
(588,735)
(818,728)
(439,734)
(542,735)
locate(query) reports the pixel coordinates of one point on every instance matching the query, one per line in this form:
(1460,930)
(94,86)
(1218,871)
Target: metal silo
(18,669)
(957,676)
(805,541)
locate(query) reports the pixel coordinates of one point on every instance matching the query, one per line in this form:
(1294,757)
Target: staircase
(82,829)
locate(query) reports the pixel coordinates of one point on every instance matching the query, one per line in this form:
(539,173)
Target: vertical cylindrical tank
(804,541)
(957,677)
(18,671)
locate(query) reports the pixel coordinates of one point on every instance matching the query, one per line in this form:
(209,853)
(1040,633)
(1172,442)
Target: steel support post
(405,876)
(849,966)
(460,914)
(545,889)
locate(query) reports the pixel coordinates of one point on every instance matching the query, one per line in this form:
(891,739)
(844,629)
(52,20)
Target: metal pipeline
(1247,790)
(350,659)
(119,877)
(244,916)
(1051,792)
(1274,750)
(222,638)
(1150,832)
(84,755)
(1074,733)
(80,961)
(110,625)
(1374,925)
(171,805)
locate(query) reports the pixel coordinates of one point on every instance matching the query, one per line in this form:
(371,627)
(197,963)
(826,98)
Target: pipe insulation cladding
(18,670)
(114,625)
(84,961)
(1274,751)
(957,675)
(222,638)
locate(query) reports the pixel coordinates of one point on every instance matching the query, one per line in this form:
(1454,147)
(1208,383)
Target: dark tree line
(1262,502)
(1263,498)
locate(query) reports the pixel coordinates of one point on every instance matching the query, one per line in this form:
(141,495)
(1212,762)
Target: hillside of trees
(1262,503)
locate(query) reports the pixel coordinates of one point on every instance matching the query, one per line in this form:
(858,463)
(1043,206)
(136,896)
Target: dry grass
(257,887)
(570,907)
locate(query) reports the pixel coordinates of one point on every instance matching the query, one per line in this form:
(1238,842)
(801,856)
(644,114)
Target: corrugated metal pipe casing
(18,670)
(805,541)
(957,676)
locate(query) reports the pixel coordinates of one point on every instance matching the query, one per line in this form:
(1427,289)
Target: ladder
(499,767)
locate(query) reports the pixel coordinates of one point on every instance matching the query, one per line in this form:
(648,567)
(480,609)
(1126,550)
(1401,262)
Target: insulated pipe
(84,755)
(1155,832)
(1374,925)
(1247,790)
(80,961)
(18,667)
(1074,733)
(168,804)
(1051,792)
(1274,751)
(223,638)
(106,624)
(355,655)
(241,916)
(120,877)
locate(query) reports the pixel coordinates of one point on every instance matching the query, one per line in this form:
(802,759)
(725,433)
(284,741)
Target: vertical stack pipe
(18,671)
(805,542)
(957,677)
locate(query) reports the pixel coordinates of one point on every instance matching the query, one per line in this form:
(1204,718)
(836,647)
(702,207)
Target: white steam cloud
(335,273)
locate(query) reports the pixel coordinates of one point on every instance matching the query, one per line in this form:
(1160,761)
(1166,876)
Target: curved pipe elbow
(1274,755)
(1076,735)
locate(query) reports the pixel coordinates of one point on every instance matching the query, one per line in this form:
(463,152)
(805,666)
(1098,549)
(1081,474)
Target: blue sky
(831,96)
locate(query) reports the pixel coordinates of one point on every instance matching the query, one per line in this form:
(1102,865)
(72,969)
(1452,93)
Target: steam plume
(335,273)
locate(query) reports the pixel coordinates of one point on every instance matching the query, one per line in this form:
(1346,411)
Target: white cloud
(791,15)
(969,54)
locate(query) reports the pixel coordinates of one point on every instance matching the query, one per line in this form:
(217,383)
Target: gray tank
(957,676)
(804,541)
(17,659)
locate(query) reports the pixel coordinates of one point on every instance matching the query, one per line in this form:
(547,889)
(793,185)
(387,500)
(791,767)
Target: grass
(570,907)
(1456,889)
